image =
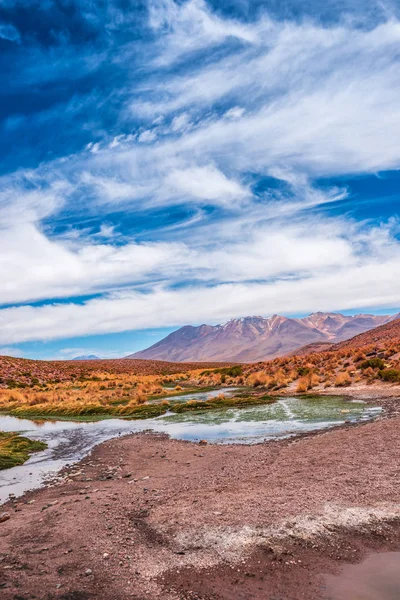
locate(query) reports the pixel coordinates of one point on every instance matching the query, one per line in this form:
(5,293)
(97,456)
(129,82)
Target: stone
(88,572)
(4,517)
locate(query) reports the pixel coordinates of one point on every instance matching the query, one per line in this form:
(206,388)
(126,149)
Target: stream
(70,441)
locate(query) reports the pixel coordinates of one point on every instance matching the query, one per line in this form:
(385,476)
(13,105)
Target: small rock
(88,572)
(203,443)
(106,556)
(4,517)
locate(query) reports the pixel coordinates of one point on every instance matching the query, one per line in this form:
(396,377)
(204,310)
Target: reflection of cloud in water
(70,441)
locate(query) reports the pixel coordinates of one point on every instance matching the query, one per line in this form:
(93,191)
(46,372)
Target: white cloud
(365,287)
(316,98)
(235,112)
(205,183)
(313,100)
(191,26)
(34,266)
(106,231)
(147,136)
(94,148)
(180,123)
(290,100)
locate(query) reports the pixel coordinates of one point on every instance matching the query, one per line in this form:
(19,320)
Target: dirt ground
(147,517)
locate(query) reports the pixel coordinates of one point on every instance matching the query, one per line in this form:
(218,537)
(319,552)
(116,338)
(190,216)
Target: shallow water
(69,441)
(376,578)
(202,396)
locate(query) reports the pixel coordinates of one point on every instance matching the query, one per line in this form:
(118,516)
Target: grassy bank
(15,449)
(240,401)
(143,411)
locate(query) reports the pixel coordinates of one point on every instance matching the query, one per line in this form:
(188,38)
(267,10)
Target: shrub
(234,371)
(342,380)
(303,384)
(374,363)
(303,371)
(392,375)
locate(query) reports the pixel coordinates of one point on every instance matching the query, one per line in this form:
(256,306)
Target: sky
(167,163)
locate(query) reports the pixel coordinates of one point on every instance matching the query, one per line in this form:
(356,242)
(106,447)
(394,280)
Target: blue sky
(165,163)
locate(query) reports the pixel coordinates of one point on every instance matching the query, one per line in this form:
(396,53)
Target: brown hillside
(379,336)
(28,372)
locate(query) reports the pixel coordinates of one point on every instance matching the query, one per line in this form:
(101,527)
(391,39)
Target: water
(376,578)
(69,441)
(202,396)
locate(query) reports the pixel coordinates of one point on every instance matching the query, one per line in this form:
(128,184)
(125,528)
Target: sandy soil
(147,517)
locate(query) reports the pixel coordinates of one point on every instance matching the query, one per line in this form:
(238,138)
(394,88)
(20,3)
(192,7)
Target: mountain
(86,357)
(252,339)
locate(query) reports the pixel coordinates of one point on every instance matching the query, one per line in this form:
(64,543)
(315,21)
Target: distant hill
(252,339)
(86,357)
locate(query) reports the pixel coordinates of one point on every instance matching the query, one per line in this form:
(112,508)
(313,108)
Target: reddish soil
(151,517)
(382,336)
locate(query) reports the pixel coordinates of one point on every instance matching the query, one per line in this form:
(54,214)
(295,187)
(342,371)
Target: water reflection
(376,578)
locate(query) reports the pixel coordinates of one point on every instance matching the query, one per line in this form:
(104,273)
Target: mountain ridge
(86,357)
(257,338)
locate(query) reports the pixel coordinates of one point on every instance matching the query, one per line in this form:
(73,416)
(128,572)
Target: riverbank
(144,411)
(16,449)
(148,517)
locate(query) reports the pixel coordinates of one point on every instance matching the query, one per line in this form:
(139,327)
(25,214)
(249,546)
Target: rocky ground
(147,517)
(387,395)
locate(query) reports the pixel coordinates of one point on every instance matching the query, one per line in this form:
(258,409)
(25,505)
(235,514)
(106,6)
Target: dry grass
(103,394)
(343,379)
(324,370)
(112,391)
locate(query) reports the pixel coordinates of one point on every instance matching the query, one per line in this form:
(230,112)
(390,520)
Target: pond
(376,578)
(69,441)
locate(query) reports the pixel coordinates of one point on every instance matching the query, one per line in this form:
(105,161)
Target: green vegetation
(182,392)
(374,363)
(235,371)
(223,402)
(391,375)
(302,371)
(15,449)
(86,412)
